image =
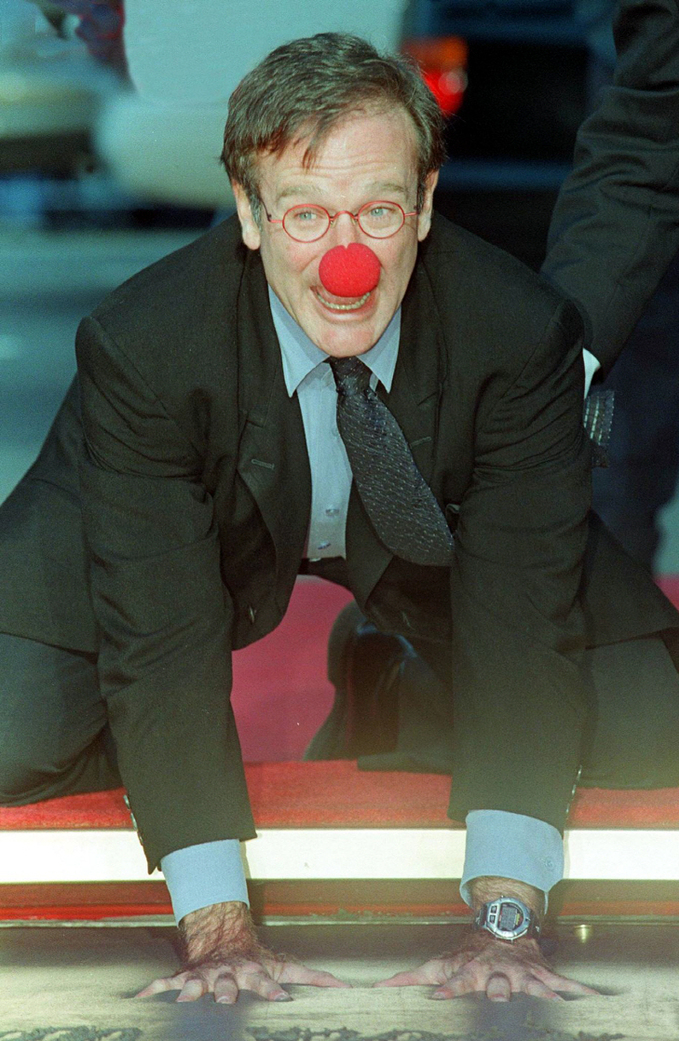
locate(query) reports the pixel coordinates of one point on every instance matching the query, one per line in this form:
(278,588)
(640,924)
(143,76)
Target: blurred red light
(447,88)
(442,63)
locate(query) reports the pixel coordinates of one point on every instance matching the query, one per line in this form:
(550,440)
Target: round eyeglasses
(308,222)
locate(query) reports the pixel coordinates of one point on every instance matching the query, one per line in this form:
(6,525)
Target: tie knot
(351,375)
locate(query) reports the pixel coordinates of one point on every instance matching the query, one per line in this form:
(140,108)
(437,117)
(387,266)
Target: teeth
(344,307)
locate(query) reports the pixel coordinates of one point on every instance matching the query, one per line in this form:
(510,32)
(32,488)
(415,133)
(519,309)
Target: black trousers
(631,735)
(631,738)
(54,734)
(55,740)
(644,451)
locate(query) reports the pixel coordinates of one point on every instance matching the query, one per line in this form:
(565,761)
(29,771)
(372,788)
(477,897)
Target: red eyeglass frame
(333,217)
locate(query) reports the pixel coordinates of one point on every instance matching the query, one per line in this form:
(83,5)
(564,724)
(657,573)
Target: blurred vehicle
(99,23)
(50,94)
(163,140)
(152,142)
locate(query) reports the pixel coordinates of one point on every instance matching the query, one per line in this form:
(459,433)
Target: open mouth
(353,306)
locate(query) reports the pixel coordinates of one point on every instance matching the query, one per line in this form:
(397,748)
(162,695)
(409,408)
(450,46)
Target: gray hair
(305,88)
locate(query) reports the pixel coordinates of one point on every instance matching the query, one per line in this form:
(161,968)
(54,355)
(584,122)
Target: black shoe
(365,666)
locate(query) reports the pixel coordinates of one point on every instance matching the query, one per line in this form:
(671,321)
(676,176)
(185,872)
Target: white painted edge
(53,856)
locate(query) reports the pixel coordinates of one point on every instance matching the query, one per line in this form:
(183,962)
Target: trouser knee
(52,718)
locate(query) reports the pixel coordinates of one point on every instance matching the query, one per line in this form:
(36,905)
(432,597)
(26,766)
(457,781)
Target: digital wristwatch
(507,919)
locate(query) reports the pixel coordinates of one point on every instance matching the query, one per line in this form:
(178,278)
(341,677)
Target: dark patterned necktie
(397,499)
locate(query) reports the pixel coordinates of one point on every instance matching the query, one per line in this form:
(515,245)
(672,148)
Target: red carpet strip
(338,795)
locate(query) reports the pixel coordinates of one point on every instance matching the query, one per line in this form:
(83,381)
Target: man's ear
(249,228)
(424,216)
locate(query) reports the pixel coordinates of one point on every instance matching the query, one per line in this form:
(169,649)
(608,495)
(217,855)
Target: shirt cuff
(510,845)
(208,873)
(591,366)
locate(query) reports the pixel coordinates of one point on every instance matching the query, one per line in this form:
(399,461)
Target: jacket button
(252,614)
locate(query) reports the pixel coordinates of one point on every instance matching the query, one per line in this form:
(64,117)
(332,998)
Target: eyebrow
(388,186)
(301,191)
(304,191)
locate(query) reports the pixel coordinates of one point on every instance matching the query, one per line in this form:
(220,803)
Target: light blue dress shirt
(592,366)
(508,845)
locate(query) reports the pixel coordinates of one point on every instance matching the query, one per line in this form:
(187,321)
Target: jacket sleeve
(615,227)
(518,630)
(162,610)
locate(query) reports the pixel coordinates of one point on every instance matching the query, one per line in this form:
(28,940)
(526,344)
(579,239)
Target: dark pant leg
(425,714)
(54,738)
(632,739)
(632,732)
(424,709)
(644,449)
(421,688)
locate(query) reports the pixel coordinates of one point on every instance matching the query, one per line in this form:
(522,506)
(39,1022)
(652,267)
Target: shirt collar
(301,356)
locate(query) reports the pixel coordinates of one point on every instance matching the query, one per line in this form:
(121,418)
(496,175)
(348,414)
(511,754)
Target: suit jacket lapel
(272,458)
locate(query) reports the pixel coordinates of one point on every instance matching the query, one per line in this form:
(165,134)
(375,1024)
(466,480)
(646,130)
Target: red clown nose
(349,270)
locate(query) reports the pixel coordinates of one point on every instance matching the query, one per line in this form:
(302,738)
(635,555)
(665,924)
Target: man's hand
(222,956)
(484,964)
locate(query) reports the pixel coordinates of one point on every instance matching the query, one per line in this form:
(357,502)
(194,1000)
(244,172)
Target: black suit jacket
(615,226)
(167,529)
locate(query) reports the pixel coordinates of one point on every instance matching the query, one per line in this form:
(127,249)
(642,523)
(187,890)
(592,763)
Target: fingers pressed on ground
(159,987)
(311,977)
(226,989)
(537,989)
(462,984)
(262,984)
(498,988)
(562,983)
(193,989)
(435,971)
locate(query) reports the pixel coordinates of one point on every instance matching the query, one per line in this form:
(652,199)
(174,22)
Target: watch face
(510,918)
(507,919)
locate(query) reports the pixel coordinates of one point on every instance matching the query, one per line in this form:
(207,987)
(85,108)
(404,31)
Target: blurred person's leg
(54,738)
(644,450)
